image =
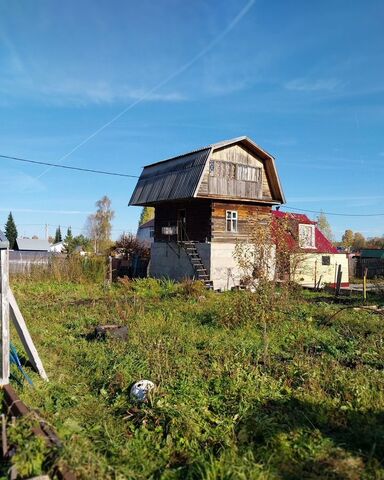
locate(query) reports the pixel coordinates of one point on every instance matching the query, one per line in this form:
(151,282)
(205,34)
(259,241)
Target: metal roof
(32,244)
(178,177)
(171,179)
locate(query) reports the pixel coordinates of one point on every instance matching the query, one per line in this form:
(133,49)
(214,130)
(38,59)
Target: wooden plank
(4,315)
(17,408)
(25,337)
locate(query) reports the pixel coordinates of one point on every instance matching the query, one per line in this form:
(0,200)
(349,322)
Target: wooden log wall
(245,214)
(218,187)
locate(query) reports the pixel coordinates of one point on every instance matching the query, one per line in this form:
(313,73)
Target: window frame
(326,260)
(303,238)
(232,217)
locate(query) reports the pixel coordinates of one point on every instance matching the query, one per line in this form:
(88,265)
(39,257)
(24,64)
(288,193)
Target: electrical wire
(333,213)
(209,46)
(67,167)
(119,174)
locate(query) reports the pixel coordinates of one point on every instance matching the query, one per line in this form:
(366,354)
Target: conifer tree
(11,231)
(68,241)
(58,237)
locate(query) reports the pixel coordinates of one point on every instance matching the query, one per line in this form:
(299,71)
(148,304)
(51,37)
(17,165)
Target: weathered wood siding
(198,219)
(245,213)
(231,188)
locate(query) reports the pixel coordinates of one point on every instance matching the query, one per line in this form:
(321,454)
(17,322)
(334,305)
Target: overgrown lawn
(303,399)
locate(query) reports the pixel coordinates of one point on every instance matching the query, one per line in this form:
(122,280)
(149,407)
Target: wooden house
(317,260)
(203,202)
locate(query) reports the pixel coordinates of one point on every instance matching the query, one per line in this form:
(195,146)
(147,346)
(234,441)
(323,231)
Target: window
(231,221)
(307,236)
(247,173)
(326,260)
(234,171)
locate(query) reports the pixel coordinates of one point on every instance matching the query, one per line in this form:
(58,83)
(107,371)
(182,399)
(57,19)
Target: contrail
(173,75)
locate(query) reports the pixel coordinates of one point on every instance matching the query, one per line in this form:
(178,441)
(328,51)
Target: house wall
(169,260)
(245,212)
(309,269)
(198,219)
(144,234)
(225,270)
(229,188)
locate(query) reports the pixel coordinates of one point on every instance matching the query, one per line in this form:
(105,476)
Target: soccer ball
(140,390)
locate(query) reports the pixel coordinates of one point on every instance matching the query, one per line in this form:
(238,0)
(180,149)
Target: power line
(67,167)
(118,174)
(235,20)
(335,213)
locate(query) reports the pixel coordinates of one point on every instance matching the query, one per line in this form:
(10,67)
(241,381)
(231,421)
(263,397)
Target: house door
(181,225)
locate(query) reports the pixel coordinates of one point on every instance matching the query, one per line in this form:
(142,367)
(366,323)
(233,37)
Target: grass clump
(248,386)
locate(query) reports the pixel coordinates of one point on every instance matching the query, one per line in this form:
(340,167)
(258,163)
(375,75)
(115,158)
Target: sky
(116,85)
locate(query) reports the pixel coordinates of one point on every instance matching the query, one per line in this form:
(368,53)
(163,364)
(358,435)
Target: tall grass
(73,268)
(314,410)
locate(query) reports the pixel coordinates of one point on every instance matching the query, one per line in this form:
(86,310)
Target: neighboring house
(203,203)
(146,231)
(316,259)
(58,247)
(31,245)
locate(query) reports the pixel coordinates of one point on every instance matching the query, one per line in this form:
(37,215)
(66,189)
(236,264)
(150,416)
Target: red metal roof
(323,245)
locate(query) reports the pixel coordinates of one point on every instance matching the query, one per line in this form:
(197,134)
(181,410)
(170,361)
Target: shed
(32,245)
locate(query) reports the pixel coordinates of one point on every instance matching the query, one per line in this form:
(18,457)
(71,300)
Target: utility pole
(46,231)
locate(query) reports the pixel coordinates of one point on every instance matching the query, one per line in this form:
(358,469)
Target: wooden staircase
(197,263)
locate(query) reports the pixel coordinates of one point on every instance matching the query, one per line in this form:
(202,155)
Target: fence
(375,267)
(22,262)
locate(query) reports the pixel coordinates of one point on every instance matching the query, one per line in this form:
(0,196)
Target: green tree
(68,241)
(147,213)
(58,237)
(347,239)
(11,231)
(99,225)
(82,241)
(358,241)
(325,227)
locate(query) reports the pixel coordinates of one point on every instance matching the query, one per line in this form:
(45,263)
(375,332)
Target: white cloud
(313,85)
(14,181)
(32,210)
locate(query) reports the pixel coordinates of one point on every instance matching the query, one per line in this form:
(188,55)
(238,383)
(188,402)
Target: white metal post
(4,314)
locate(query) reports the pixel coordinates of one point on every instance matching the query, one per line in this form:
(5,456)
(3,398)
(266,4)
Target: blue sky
(305,80)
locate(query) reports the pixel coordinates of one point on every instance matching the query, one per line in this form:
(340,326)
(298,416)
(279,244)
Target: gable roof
(178,177)
(32,244)
(148,224)
(323,245)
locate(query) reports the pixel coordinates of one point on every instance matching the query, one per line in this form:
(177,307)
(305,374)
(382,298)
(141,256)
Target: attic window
(247,173)
(307,236)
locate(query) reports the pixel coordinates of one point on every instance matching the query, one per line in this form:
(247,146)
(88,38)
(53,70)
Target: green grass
(309,405)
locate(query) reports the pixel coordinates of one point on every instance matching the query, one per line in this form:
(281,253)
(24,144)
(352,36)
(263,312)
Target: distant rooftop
(32,244)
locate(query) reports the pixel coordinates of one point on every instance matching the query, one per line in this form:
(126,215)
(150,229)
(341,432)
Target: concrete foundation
(169,260)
